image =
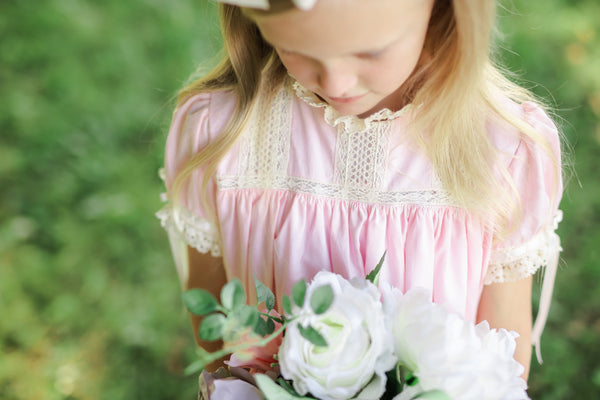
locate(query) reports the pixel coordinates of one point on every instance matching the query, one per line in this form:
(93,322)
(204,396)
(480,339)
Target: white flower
(447,353)
(359,350)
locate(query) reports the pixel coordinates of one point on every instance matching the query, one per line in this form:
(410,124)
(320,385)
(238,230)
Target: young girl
(335,130)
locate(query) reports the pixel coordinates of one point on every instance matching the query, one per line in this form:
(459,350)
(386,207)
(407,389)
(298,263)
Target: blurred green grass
(89,297)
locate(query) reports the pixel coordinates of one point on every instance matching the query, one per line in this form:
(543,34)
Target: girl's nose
(337,80)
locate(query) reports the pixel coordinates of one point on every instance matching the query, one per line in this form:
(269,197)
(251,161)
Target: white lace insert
(265,148)
(360,157)
(512,264)
(197,232)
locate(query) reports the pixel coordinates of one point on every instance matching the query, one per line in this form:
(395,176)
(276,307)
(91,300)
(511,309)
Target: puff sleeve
(536,175)
(188,222)
(535,171)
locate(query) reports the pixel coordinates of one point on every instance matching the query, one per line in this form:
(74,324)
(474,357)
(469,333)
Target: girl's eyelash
(368,55)
(374,54)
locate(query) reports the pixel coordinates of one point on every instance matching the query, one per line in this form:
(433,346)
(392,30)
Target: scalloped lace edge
(350,123)
(197,232)
(513,264)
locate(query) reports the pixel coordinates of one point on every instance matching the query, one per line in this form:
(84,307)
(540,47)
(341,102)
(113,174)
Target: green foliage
(312,335)
(88,291)
(264,295)
(298,293)
(239,325)
(287,304)
(321,299)
(233,295)
(373,276)
(248,316)
(212,327)
(199,302)
(228,321)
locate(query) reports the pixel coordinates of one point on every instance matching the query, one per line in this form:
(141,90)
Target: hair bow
(264,4)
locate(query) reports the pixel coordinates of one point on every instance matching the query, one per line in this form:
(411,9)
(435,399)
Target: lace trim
(359,194)
(509,265)
(348,123)
(265,151)
(197,232)
(361,157)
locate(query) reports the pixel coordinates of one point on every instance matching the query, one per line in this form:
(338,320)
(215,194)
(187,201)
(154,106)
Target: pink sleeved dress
(306,189)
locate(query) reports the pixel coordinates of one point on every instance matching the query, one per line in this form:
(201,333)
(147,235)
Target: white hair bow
(264,4)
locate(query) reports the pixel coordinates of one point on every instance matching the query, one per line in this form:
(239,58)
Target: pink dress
(306,189)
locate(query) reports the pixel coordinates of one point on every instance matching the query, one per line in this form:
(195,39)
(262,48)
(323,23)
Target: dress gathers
(306,189)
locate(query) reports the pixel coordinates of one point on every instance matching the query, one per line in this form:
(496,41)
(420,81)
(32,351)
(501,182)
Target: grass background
(88,295)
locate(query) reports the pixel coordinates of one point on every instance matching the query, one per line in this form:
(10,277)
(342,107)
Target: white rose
(359,350)
(446,352)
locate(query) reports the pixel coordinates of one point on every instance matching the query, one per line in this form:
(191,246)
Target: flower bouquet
(349,339)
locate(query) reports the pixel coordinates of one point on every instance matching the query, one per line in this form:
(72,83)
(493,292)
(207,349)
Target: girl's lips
(346,100)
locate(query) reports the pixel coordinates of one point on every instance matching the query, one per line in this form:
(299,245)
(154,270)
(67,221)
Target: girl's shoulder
(212,109)
(522,125)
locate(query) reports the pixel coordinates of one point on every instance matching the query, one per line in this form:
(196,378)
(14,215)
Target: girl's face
(354,54)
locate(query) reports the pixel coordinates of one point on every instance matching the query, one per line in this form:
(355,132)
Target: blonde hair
(456,85)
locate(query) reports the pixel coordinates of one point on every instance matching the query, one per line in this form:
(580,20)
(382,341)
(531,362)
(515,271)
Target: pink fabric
(283,235)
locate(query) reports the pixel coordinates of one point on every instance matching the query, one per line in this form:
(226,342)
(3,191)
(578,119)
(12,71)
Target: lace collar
(350,123)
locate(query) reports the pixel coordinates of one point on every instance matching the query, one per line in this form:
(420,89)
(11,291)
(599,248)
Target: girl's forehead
(344,26)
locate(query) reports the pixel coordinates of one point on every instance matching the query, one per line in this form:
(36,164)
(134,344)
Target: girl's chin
(360,109)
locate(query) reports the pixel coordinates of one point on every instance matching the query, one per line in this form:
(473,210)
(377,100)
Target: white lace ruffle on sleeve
(195,231)
(512,264)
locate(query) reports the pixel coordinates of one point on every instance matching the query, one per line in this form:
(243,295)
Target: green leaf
(433,395)
(264,294)
(287,304)
(270,326)
(272,391)
(247,315)
(287,386)
(374,275)
(393,383)
(199,302)
(211,327)
(298,292)
(312,335)
(233,295)
(260,328)
(321,299)
(264,326)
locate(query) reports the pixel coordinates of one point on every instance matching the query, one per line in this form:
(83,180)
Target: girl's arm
(206,272)
(508,305)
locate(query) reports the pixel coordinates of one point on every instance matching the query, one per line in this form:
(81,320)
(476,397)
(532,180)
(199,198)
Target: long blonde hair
(456,87)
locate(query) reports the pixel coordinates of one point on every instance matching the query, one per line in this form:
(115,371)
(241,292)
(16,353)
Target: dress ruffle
(350,123)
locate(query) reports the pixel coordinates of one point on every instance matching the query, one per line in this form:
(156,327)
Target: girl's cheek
(302,70)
